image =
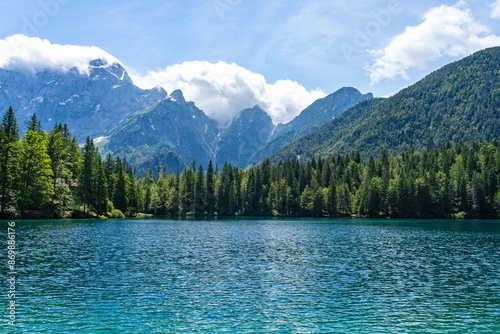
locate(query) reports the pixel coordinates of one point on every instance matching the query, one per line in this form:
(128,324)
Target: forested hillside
(311,118)
(49,173)
(325,139)
(459,102)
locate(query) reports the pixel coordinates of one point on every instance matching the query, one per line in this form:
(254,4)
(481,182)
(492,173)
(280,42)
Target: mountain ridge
(318,113)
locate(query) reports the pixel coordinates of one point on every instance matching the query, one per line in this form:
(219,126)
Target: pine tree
(318,203)
(331,198)
(148,199)
(74,158)
(344,198)
(326,174)
(9,143)
(87,180)
(60,150)
(109,170)
(250,199)
(101,196)
(133,195)
(177,193)
(307,201)
(36,170)
(162,185)
(57,150)
(120,199)
(224,206)
(210,199)
(34,124)
(199,193)
(186,191)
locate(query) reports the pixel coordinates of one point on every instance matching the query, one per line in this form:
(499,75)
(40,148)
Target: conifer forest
(47,174)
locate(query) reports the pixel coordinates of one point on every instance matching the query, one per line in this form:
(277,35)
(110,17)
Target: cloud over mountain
(222,90)
(32,54)
(445,31)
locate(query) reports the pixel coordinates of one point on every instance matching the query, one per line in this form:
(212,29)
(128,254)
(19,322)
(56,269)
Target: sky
(226,55)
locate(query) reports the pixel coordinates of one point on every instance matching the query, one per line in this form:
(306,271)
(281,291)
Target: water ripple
(258,276)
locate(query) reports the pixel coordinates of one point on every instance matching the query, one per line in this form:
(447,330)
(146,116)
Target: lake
(255,276)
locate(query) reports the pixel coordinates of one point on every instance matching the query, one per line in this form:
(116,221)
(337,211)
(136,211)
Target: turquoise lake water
(255,276)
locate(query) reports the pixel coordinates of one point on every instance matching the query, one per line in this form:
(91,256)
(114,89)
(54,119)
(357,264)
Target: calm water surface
(256,276)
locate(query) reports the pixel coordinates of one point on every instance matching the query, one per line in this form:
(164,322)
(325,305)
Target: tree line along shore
(48,175)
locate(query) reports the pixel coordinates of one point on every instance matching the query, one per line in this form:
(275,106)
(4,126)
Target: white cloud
(495,10)
(445,31)
(33,54)
(221,90)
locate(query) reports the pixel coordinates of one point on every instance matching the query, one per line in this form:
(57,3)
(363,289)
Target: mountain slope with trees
(328,135)
(459,102)
(320,112)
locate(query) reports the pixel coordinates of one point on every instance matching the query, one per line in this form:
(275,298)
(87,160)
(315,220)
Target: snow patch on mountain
(99,139)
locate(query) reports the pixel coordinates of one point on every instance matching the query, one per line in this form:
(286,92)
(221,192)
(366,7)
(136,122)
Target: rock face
(246,134)
(90,104)
(176,126)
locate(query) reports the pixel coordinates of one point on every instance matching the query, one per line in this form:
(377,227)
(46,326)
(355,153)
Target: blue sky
(376,46)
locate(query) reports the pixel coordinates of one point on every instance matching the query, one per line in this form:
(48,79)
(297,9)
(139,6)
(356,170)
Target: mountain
(311,118)
(97,98)
(183,133)
(176,126)
(322,111)
(322,142)
(172,125)
(459,102)
(246,134)
(89,103)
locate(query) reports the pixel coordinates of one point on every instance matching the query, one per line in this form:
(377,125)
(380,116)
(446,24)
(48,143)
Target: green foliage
(87,175)
(34,124)
(63,195)
(101,190)
(210,199)
(36,171)
(199,192)
(49,172)
(117,214)
(120,199)
(9,152)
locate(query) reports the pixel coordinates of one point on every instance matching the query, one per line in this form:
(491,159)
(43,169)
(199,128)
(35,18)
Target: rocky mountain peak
(178,96)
